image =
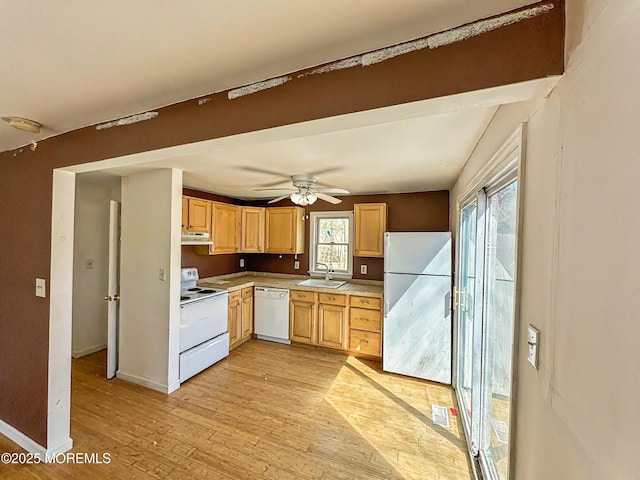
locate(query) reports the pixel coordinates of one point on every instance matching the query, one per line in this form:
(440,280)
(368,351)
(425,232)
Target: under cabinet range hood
(195,238)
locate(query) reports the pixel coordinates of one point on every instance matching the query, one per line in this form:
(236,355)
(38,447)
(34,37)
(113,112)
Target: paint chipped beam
(518,46)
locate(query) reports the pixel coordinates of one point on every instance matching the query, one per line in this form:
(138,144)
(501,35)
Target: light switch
(88,264)
(163,274)
(533,340)
(242,263)
(41,287)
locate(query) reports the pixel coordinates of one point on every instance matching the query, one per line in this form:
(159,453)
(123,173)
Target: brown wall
(523,51)
(406,212)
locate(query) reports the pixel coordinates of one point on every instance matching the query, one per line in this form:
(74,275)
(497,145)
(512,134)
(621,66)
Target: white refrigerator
(417,305)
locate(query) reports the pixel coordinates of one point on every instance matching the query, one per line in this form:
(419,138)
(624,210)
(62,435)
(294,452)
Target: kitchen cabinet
(246,312)
(284,230)
(235,318)
(332,320)
(302,316)
(370,222)
(196,215)
(252,229)
(224,230)
(240,316)
(319,319)
(365,325)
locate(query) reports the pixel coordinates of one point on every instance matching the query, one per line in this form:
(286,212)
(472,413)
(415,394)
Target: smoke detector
(23,124)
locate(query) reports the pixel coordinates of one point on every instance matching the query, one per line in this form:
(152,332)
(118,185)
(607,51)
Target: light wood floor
(269,411)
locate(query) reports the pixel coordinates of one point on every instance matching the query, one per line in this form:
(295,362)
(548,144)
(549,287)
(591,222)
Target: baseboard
(88,351)
(32,446)
(145,382)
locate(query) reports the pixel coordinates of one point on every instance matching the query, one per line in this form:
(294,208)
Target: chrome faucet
(327,275)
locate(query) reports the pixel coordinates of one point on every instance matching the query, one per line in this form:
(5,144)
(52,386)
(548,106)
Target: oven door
(202,320)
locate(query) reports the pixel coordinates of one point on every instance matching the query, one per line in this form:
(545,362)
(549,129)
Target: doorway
(486,291)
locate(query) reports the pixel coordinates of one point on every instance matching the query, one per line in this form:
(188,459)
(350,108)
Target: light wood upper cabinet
(185,213)
(284,230)
(252,229)
(196,215)
(224,230)
(370,224)
(225,227)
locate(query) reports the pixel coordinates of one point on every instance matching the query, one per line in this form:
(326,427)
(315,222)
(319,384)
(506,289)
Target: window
(332,243)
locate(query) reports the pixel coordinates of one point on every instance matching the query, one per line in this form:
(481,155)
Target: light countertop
(365,288)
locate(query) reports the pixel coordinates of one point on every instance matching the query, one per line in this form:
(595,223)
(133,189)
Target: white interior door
(113,293)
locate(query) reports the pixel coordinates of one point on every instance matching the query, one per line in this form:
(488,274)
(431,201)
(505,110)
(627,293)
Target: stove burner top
(182,298)
(207,291)
(195,289)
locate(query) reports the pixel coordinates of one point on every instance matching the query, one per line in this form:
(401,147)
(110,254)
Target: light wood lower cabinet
(247,312)
(318,319)
(240,320)
(365,325)
(302,317)
(332,326)
(235,318)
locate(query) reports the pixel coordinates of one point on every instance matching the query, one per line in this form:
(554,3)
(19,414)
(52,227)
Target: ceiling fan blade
(335,191)
(324,170)
(327,198)
(275,184)
(278,199)
(274,189)
(248,168)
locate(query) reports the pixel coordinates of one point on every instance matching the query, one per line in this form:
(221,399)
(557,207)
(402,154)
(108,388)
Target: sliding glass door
(486,292)
(466,289)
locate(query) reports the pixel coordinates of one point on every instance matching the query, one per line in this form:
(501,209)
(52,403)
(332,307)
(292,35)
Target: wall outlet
(533,340)
(163,274)
(296,265)
(242,263)
(363,269)
(41,287)
(88,264)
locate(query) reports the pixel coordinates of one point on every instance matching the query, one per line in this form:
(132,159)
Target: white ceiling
(76,63)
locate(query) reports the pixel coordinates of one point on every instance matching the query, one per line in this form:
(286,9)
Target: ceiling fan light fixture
(303,199)
(24,124)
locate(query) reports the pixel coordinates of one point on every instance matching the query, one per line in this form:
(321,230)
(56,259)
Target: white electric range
(204,339)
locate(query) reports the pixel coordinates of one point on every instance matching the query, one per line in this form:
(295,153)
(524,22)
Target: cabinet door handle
(365,302)
(364,341)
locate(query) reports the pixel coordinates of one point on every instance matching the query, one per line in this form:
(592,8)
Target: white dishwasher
(272,314)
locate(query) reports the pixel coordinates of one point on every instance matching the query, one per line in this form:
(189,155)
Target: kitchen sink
(316,282)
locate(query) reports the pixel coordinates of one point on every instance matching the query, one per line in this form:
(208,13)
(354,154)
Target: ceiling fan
(304,191)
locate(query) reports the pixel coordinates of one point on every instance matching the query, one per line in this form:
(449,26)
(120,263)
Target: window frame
(313,222)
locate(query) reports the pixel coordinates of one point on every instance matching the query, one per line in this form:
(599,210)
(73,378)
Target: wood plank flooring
(269,411)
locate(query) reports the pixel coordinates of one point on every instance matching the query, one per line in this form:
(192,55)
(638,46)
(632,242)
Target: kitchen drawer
(363,319)
(234,296)
(367,343)
(302,296)
(247,292)
(332,299)
(366,302)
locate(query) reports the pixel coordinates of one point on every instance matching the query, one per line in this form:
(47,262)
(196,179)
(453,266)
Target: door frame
(506,165)
(113,289)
